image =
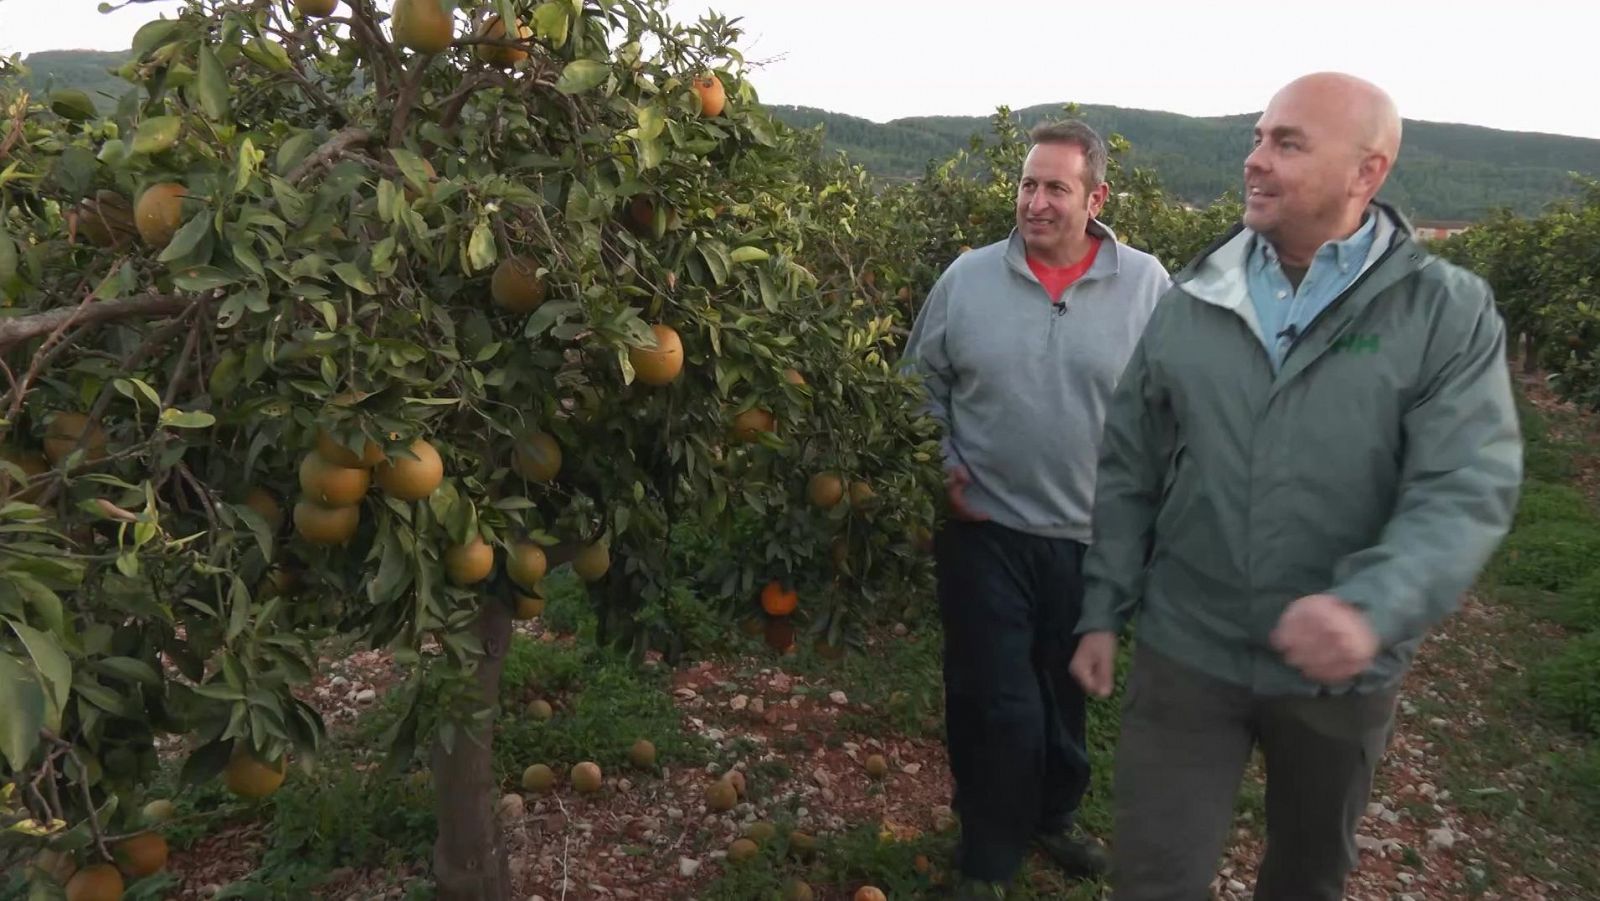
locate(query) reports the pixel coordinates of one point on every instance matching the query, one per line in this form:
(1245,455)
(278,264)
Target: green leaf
(351,274)
(8,259)
(581,75)
(187,419)
(128,387)
(206,763)
(187,238)
(155,35)
(652,119)
(291,203)
(54,667)
(480,249)
(129,669)
(411,167)
(71,103)
(716,257)
(268,54)
(157,134)
(21,713)
(651,154)
(551,22)
(213,86)
(748,255)
(75,171)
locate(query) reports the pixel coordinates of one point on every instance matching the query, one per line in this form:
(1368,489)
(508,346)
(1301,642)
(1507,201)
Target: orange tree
(1544,270)
(357,320)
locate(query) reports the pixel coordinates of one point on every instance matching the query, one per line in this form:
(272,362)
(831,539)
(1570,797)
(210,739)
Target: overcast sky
(1528,66)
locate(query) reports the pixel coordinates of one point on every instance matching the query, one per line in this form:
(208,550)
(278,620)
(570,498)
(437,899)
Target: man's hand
(1325,638)
(1095,663)
(956,481)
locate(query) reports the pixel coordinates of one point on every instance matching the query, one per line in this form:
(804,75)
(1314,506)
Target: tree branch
(24,328)
(408,99)
(334,146)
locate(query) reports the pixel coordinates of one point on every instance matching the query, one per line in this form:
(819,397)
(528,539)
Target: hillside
(1446,171)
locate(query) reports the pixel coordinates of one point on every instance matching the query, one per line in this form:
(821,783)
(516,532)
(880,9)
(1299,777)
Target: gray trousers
(1186,739)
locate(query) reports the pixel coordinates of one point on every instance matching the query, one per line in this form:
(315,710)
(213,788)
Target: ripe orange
(141,854)
(412,479)
(339,455)
(592,562)
(658,366)
(777,601)
(713,97)
(526,564)
(331,485)
(747,426)
(825,490)
(31,464)
(869,893)
(469,563)
(96,882)
(586,778)
(516,286)
(528,607)
(326,525)
(495,54)
(61,437)
(536,457)
(263,502)
(248,777)
(159,213)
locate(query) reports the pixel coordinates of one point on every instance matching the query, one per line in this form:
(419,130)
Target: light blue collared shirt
(1279,305)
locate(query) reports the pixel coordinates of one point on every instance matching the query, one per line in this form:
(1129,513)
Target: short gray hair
(1078,134)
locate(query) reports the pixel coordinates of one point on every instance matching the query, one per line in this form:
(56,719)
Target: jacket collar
(1218,275)
(1106,263)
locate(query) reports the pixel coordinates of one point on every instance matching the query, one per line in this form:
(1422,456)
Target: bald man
(1311,455)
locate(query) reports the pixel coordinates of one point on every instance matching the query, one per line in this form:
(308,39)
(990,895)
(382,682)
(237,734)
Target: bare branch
(24,328)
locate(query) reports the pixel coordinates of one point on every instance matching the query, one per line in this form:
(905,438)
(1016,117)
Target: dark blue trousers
(1014,715)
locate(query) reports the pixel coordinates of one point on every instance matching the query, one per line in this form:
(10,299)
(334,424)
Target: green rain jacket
(1381,464)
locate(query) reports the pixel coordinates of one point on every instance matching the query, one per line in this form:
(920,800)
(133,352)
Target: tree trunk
(1530,357)
(469,857)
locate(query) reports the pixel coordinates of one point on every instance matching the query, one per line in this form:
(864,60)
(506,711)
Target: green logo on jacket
(1356,344)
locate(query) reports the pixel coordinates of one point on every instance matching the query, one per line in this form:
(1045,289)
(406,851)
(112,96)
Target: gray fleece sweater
(1021,385)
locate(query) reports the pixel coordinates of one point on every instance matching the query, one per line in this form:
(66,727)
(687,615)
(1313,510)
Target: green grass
(1523,767)
(602,706)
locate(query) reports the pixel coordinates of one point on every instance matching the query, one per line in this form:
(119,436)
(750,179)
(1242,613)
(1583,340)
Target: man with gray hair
(1020,344)
(1309,459)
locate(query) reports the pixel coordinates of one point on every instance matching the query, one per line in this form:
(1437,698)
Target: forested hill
(1445,171)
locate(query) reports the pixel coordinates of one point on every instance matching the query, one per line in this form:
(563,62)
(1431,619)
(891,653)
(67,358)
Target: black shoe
(1077,856)
(978,890)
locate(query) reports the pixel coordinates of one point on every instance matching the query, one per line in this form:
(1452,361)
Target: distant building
(1437,229)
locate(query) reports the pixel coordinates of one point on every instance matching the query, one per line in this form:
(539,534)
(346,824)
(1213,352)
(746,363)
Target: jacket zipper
(1310,326)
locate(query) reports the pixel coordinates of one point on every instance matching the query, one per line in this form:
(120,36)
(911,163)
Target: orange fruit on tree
(339,455)
(65,430)
(142,854)
(32,464)
(412,478)
(528,607)
(825,490)
(96,882)
(250,778)
(526,564)
(536,457)
(861,494)
(266,505)
(421,25)
(592,562)
(793,376)
(315,7)
(659,365)
(516,286)
(499,55)
(469,563)
(159,213)
(869,893)
(713,97)
(777,600)
(332,485)
(748,425)
(326,525)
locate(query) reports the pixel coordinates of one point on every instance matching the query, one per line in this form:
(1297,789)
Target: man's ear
(1097,199)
